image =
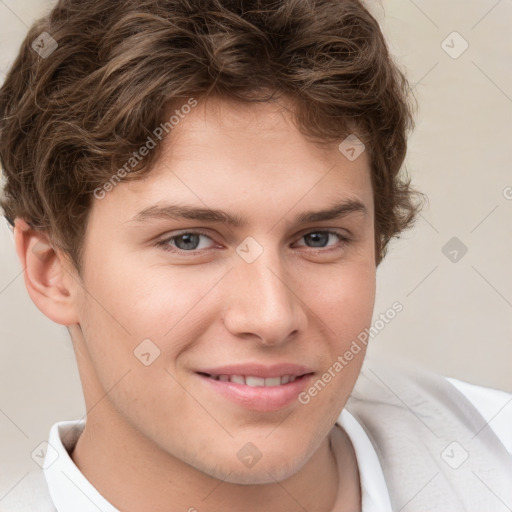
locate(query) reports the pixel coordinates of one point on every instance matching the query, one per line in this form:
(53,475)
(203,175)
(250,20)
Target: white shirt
(70,490)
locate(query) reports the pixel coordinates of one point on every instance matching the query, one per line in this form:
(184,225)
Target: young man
(201,191)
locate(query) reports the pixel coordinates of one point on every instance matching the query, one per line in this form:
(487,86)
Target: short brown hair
(69,119)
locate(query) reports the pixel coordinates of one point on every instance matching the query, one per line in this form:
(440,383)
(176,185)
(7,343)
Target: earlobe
(48,282)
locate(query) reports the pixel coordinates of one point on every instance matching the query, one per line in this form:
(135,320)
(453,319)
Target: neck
(134,474)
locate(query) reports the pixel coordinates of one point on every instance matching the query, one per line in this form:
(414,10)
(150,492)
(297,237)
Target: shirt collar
(70,490)
(374,491)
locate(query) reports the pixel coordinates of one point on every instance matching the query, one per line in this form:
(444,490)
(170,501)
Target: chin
(267,470)
(261,476)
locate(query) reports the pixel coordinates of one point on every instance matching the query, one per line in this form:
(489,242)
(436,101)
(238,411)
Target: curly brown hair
(69,119)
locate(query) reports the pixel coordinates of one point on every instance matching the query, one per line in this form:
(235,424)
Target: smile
(263,394)
(253,381)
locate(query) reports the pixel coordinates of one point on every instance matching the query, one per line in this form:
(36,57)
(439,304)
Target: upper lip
(258,370)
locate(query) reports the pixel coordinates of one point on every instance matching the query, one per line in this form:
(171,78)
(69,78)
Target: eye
(188,241)
(319,239)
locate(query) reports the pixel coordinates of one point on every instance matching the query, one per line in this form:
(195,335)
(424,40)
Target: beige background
(457,316)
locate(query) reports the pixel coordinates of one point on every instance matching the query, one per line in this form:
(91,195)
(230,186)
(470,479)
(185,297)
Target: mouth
(273,391)
(254,381)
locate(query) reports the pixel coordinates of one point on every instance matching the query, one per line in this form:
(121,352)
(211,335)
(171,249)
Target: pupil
(322,237)
(190,238)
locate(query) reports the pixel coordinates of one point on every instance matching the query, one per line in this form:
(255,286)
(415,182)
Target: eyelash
(164,244)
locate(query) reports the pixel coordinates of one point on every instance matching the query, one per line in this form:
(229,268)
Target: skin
(157,437)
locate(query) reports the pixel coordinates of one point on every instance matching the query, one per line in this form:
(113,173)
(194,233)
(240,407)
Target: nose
(262,301)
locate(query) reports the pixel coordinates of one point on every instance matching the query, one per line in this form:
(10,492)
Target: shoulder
(494,405)
(398,388)
(427,427)
(29,495)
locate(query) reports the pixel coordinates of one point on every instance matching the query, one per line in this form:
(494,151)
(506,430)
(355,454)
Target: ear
(49,278)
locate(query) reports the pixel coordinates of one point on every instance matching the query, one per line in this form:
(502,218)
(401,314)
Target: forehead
(229,155)
(258,131)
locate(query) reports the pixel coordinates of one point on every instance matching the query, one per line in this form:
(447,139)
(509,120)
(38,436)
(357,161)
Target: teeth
(252,381)
(237,379)
(255,381)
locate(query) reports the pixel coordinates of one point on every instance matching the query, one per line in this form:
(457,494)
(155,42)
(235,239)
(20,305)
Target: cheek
(343,299)
(125,305)
(135,299)
(344,308)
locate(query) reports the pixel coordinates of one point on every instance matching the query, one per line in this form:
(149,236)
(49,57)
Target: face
(186,313)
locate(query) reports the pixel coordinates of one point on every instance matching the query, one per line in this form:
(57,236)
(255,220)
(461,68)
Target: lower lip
(260,398)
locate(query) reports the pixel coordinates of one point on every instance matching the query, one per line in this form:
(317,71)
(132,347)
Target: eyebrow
(182,211)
